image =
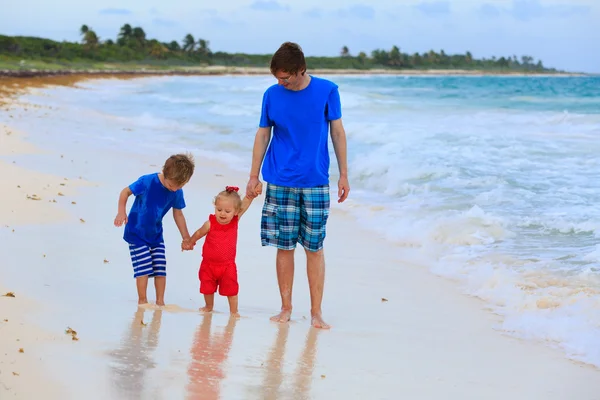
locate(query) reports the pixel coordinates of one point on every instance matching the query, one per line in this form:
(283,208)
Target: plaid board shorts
(295,215)
(148,260)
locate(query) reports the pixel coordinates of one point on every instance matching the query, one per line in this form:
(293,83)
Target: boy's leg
(209,300)
(159,271)
(141,260)
(233,306)
(141,282)
(160,284)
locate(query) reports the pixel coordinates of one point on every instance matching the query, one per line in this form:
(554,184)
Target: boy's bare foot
(160,303)
(142,301)
(282,317)
(317,322)
(206,309)
(235,315)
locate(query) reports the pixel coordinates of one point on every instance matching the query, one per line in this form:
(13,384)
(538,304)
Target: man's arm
(181,223)
(261,142)
(338,138)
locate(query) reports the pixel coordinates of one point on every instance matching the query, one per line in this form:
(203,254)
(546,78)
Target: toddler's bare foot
(206,309)
(282,317)
(317,322)
(235,315)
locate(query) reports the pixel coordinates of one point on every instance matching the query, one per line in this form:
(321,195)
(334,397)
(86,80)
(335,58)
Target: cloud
(527,10)
(313,13)
(167,23)
(268,5)
(434,8)
(360,11)
(115,11)
(489,11)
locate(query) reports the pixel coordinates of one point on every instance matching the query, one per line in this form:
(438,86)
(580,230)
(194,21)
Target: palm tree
(203,47)
(83,30)
(395,56)
(189,43)
(468,57)
(124,34)
(90,39)
(139,36)
(345,51)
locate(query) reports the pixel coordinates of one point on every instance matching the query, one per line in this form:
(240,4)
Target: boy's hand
(120,219)
(187,244)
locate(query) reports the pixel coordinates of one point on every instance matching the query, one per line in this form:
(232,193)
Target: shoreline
(427,341)
(225,70)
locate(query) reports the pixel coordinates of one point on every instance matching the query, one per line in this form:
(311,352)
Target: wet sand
(69,267)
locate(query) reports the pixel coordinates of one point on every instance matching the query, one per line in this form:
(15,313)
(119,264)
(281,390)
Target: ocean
(490,182)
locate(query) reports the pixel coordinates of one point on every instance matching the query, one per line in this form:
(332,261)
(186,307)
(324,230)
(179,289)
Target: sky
(564,34)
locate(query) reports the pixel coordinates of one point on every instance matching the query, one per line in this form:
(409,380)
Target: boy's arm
(121,217)
(200,233)
(245,205)
(181,223)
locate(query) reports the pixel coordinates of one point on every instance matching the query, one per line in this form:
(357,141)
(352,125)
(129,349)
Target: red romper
(218,259)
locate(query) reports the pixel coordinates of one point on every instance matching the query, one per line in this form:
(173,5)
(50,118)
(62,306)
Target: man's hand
(343,189)
(120,219)
(254,187)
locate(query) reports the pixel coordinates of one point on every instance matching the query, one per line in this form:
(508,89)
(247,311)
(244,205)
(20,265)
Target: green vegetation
(133,50)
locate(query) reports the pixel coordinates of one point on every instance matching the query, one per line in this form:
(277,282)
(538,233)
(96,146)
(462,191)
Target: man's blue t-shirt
(298,154)
(152,202)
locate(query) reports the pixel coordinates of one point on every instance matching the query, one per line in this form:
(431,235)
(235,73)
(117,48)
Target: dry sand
(426,341)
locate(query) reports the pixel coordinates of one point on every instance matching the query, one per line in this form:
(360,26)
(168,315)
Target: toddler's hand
(187,244)
(120,219)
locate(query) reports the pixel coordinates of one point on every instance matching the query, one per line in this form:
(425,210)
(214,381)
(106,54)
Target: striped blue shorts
(148,260)
(295,215)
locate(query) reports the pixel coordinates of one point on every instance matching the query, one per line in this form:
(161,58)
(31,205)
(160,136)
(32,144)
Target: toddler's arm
(200,233)
(245,205)
(121,217)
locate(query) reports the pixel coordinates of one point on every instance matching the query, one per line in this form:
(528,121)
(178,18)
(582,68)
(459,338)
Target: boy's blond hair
(230,193)
(179,168)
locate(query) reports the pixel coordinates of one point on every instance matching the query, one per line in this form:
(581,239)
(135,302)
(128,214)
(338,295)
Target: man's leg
(315,269)
(285,278)
(314,213)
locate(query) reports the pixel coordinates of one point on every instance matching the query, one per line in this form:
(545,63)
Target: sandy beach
(398,331)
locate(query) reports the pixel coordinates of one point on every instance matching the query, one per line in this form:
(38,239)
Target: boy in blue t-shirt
(155,194)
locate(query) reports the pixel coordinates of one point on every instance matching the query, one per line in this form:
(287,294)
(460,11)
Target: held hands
(254,187)
(120,219)
(187,244)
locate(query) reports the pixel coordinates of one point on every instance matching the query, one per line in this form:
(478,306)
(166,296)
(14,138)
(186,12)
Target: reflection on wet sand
(303,374)
(133,358)
(209,352)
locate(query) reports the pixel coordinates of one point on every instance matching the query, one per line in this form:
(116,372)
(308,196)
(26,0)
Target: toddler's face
(224,211)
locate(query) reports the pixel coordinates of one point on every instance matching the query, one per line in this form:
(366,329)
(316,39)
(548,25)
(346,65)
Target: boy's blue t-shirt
(152,202)
(298,154)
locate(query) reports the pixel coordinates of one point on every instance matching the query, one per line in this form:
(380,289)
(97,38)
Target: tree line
(133,46)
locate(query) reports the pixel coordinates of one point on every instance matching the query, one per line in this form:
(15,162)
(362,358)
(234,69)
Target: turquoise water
(490,181)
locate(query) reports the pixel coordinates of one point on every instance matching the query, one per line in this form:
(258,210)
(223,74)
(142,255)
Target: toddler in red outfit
(218,268)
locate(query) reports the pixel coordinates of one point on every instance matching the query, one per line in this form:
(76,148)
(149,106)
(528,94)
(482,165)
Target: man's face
(289,81)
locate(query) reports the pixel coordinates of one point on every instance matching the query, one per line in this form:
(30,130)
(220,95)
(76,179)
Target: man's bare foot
(206,309)
(317,322)
(282,317)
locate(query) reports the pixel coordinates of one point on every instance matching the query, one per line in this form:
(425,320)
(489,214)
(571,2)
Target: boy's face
(172,186)
(224,211)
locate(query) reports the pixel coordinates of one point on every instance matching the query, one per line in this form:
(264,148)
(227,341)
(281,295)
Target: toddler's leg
(141,282)
(160,284)
(233,306)
(209,299)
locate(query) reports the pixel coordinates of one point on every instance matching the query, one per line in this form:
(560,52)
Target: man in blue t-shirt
(300,110)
